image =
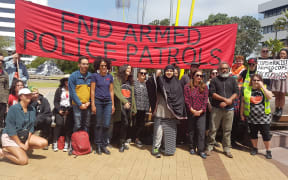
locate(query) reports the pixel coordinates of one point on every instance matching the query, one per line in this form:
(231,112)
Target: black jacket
(57,99)
(43,110)
(224,87)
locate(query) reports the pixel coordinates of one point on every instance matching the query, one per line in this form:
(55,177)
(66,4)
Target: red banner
(48,32)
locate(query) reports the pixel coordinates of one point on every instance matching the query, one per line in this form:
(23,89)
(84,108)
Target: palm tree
(274,45)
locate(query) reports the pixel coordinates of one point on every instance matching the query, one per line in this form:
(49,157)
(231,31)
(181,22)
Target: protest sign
(272,68)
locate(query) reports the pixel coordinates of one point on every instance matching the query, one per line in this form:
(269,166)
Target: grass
(43,84)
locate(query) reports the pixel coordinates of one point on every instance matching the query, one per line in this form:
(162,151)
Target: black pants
(43,123)
(125,122)
(197,126)
(264,130)
(63,126)
(3,107)
(138,124)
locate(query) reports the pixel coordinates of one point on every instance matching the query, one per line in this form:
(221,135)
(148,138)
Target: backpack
(61,142)
(80,143)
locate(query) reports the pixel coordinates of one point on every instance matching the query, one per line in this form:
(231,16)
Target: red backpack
(80,143)
(61,142)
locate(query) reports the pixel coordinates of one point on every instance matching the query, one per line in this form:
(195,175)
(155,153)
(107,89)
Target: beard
(224,75)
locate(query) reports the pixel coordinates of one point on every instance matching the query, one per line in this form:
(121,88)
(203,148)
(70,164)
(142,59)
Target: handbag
(23,133)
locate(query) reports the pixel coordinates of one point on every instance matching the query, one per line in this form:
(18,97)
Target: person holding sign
(16,69)
(255,108)
(280,88)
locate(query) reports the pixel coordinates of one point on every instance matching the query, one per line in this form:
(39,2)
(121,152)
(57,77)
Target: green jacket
(120,100)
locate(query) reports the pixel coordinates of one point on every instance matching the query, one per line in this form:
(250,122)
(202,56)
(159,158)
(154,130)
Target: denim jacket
(11,69)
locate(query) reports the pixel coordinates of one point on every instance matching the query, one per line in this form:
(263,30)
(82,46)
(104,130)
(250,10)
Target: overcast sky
(159,9)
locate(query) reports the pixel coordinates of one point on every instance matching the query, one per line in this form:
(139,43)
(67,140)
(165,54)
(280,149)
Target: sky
(158,9)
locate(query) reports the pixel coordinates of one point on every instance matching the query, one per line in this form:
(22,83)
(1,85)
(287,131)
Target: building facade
(272,10)
(7,24)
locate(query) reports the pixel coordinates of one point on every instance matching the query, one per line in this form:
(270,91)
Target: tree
(249,31)
(4,43)
(274,45)
(281,23)
(163,22)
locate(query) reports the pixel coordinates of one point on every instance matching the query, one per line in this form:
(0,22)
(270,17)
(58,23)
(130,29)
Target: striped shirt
(141,96)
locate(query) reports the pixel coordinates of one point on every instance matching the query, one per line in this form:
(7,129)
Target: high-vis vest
(247,96)
(247,79)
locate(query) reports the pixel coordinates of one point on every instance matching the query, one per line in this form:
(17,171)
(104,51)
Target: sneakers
(138,143)
(122,148)
(228,154)
(278,112)
(66,147)
(268,154)
(55,147)
(254,151)
(202,155)
(126,146)
(192,151)
(155,152)
(105,150)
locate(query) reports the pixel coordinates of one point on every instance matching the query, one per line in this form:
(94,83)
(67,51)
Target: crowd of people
(190,110)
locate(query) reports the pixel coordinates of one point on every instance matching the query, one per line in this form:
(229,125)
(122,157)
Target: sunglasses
(103,65)
(265,51)
(214,73)
(199,75)
(252,64)
(143,73)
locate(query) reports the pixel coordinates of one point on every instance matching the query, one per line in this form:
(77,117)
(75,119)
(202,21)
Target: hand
(93,109)
(228,101)
(222,104)
(113,109)
(127,106)
(261,85)
(25,146)
(61,112)
(242,117)
(197,113)
(83,106)
(87,104)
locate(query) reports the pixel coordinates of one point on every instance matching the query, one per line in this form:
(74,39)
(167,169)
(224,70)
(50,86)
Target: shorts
(7,141)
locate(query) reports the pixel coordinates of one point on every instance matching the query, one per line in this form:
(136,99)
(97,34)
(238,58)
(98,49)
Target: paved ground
(139,164)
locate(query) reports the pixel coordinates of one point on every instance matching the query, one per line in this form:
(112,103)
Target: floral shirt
(195,99)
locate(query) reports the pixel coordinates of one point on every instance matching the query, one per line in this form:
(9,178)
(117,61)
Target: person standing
(168,106)
(15,88)
(280,88)
(79,91)
(63,115)
(16,69)
(223,90)
(124,102)
(102,102)
(196,99)
(255,108)
(142,105)
(4,91)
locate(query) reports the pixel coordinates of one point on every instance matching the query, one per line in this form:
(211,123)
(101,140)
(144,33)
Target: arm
(205,101)
(242,109)
(268,94)
(117,91)
(71,87)
(187,97)
(25,75)
(92,94)
(111,88)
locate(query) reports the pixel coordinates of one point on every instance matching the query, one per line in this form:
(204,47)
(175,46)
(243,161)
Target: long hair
(202,85)
(286,50)
(13,87)
(62,82)
(122,74)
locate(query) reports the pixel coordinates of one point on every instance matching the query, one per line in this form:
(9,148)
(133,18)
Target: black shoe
(276,113)
(254,151)
(105,150)
(98,150)
(217,144)
(121,148)
(280,111)
(203,155)
(192,151)
(268,154)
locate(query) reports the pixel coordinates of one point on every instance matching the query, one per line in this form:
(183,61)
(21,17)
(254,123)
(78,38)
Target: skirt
(280,85)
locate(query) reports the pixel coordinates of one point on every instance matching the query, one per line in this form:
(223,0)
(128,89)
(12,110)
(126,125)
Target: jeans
(3,107)
(125,122)
(81,118)
(103,117)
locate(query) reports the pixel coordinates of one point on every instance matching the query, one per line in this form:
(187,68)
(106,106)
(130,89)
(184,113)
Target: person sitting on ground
(17,137)
(63,115)
(43,114)
(16,69)
(255,107)
(13,96)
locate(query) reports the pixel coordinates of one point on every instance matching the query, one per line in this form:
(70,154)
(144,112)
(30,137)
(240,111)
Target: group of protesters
(191,106)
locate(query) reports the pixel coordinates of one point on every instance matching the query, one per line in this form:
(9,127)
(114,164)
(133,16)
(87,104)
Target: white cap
(24,91)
